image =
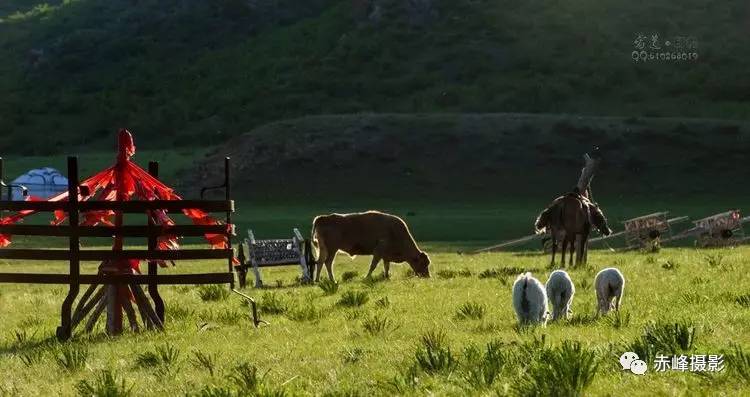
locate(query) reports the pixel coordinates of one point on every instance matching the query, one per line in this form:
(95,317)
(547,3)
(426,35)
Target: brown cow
(373,233)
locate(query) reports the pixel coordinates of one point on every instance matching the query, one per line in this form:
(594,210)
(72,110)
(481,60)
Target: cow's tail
(314,238)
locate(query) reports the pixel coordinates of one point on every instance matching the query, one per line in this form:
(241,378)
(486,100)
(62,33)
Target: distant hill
(195,73)
(481,158)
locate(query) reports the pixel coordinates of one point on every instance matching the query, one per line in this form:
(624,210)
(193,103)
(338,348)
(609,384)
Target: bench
(275,252)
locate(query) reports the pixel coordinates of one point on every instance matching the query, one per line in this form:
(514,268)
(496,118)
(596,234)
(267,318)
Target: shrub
(213,292)
(566,370)
(471,310)
(72,357)
(353,298)
(104,384)
(435,356)
(329,287)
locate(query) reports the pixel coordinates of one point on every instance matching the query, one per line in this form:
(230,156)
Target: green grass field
(317,346)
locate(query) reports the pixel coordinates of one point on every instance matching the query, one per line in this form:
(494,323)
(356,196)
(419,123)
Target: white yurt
(41,182)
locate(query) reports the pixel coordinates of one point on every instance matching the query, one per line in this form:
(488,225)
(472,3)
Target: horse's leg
(572,249)
(554,249)
(562,253)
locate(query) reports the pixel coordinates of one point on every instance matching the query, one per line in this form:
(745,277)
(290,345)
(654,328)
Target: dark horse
(569,219)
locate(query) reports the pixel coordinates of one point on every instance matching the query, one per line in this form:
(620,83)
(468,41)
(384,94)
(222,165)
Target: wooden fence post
(153,287)
(65,330)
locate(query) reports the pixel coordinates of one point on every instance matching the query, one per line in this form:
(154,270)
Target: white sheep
(609,284)
(529,300)
(560,291)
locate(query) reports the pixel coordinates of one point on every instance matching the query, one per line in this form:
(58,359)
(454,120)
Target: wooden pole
(64,331)
(97,312)
(153,287)
(230,227)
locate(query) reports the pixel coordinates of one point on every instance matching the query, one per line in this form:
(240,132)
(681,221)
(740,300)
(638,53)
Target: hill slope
(468,156)
(194,73)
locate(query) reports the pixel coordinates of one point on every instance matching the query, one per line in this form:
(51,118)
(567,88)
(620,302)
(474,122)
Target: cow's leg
(323,254)
(373,264)
(386,268)
(329,266)
(319,265)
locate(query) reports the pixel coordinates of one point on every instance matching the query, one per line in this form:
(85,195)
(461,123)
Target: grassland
(317,346)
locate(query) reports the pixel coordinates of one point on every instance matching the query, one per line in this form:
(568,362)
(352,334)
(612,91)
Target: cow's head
(421,265)
(599,220)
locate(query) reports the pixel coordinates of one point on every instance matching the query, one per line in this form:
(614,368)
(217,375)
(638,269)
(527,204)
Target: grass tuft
(743,300)
(714,260)
(566,370)
(383,302)
(618,319)
(434,355)
(483,368)
(329,287)
(305,312)
(204,361)
(272,303)
(104,384)
(664,338)
(349,276)
(163,359)
(738,362)
(353,355)
(471,311)
(378,325)
(213,292)
(72,357)
(670,265)
(353,298)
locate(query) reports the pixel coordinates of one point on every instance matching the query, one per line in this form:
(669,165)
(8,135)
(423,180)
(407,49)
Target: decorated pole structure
(115,291)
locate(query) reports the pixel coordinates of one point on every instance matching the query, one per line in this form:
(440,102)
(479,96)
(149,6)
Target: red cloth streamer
(126,181)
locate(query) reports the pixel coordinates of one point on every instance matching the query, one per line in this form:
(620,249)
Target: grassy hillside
(190,73)
(477,176)
(466,178)
(317,346)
